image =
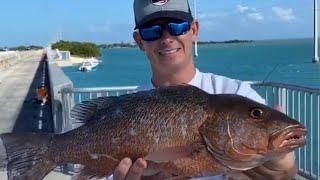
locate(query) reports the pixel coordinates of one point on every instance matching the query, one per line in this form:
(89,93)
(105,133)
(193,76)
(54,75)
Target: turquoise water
(277,60)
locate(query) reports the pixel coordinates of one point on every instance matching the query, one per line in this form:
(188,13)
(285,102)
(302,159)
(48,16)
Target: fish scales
(147,126)
(179,130)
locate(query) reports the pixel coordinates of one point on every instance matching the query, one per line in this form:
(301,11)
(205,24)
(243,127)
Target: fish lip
(289,138)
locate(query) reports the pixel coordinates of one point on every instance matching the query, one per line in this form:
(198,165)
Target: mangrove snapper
(179,130)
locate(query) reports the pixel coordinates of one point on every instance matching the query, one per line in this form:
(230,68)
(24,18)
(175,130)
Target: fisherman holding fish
(165,30)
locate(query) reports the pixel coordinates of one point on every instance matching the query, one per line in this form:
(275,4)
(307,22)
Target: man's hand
(284,168)
(127,170)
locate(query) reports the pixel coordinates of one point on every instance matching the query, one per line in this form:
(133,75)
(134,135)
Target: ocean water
(288,61)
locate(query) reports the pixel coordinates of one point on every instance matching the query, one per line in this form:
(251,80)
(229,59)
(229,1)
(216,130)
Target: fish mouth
(289,138)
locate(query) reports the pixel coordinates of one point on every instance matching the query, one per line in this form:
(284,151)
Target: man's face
(169,53)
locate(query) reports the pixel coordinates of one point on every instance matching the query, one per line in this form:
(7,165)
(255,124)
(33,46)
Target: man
(165,30)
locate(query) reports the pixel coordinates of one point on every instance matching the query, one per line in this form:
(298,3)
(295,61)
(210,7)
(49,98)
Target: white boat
(89,64)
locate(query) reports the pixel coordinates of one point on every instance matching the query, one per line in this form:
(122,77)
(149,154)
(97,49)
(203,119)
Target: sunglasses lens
(155,32)
(177,29)
(151,34)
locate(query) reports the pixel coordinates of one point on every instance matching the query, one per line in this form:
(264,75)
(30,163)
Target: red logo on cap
(159,2)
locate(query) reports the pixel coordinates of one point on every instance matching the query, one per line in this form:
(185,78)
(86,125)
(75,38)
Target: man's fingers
(122,169)
(284,162)
(137,169)
(283,168)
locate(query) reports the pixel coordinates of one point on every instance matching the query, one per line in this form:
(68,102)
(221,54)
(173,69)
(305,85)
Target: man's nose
(166,36)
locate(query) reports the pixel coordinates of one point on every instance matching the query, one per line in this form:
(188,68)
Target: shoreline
(110,46)
(213,42)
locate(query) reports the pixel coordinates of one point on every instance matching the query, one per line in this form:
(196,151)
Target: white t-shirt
(215,84)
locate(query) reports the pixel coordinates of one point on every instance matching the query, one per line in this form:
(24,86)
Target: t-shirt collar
(195,81)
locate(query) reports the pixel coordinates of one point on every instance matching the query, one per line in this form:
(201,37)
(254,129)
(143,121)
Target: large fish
(179,130)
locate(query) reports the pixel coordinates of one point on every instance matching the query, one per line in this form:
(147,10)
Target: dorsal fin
(90,110)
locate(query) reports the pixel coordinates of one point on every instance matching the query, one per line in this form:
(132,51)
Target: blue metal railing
(298,102)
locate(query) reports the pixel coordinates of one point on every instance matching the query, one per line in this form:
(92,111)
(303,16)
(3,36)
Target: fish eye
(256,113)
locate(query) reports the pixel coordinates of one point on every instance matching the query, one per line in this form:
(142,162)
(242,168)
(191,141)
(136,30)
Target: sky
(40,22)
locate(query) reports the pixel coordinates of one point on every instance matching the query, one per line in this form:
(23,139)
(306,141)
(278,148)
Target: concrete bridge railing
(10,58)
(58,81)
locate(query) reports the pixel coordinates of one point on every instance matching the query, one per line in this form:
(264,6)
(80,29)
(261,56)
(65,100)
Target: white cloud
(208,21)
(210,16)
(284,14)
(255,16)
(243,9)
(249,13)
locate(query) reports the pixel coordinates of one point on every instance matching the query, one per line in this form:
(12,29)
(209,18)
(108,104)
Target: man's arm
(284,168)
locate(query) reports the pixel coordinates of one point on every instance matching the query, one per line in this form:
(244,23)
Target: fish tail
(26,156)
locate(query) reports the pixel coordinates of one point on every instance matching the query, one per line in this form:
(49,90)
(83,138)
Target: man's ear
(137,38)
(194,30)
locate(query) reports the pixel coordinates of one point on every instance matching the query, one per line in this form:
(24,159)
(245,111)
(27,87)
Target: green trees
(24,48)
(82,49)
(117,45)
(226,42)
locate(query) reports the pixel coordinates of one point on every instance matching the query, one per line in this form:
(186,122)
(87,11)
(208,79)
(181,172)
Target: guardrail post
(67,104)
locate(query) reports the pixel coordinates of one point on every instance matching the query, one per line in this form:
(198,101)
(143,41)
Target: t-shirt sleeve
(224,85)
(246,90)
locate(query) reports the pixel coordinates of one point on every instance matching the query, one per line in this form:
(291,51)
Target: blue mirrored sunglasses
(155,32)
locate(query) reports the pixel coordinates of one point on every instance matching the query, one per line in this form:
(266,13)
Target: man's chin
(170,59)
